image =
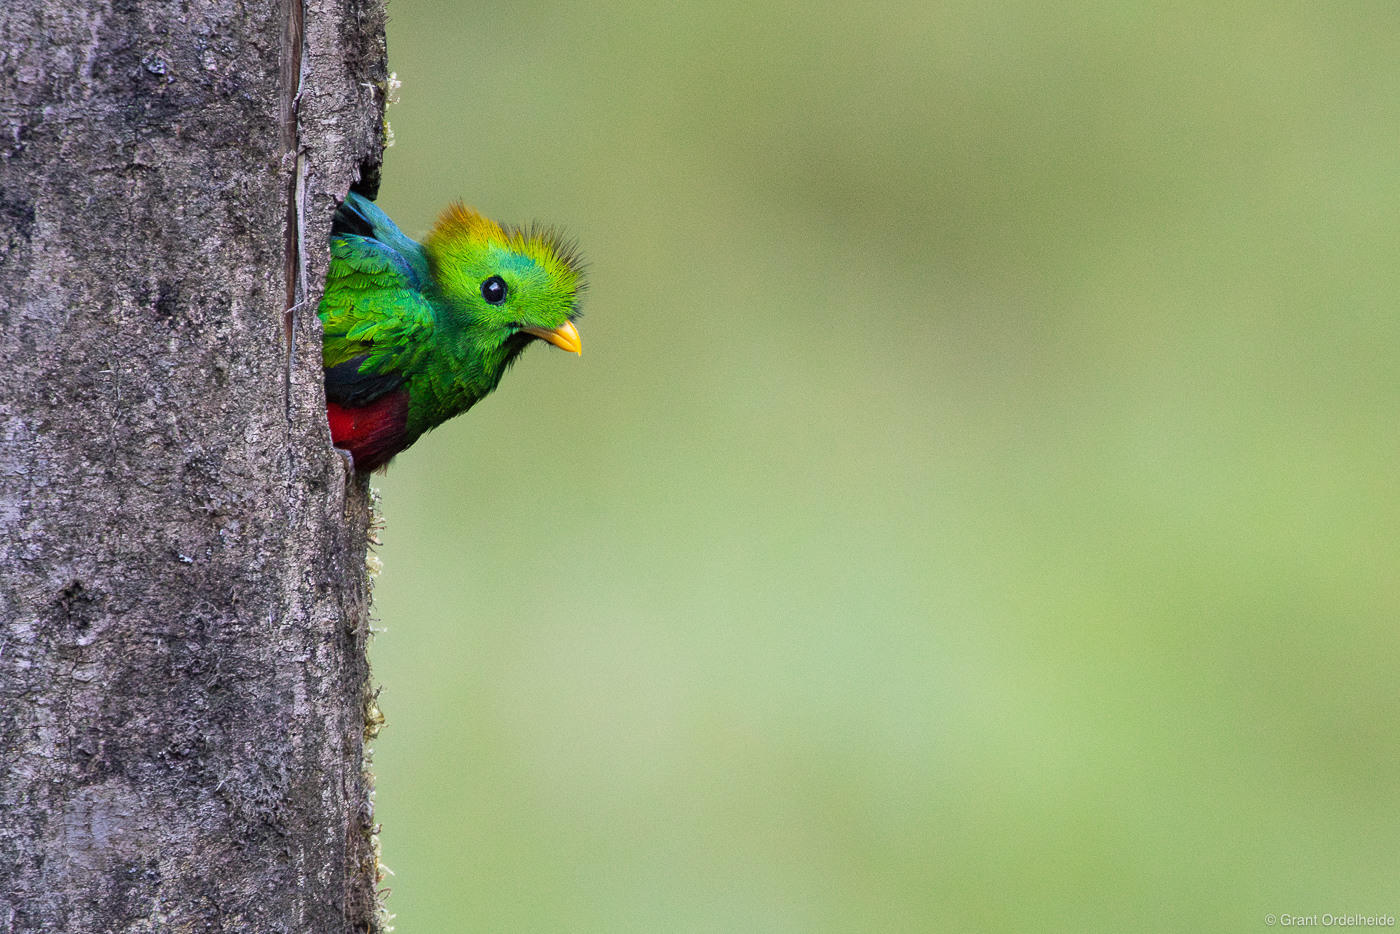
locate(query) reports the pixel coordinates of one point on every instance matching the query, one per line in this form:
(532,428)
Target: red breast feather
(372,434)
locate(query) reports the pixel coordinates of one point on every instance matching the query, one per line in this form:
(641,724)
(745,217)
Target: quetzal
(417,333)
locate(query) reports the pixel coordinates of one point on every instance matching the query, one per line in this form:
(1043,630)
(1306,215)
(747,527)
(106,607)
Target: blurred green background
(977,506)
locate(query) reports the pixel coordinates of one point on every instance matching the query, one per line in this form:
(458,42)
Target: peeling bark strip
(183,684)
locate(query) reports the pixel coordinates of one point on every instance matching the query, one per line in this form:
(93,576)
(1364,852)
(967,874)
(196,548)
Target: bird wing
(358,216)
(377,322)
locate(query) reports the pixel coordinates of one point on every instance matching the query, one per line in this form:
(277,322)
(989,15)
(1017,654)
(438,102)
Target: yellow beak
(564,337)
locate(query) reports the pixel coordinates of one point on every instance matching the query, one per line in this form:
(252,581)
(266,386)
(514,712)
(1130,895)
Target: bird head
(506,286)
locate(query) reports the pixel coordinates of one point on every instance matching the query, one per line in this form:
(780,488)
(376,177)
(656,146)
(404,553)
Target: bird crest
(558,255)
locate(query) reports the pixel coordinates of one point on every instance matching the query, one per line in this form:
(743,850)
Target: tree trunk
(183,682)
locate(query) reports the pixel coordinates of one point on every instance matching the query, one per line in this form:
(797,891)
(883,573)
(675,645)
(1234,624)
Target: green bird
(417,333)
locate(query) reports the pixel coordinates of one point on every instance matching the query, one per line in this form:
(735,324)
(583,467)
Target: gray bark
(183,683)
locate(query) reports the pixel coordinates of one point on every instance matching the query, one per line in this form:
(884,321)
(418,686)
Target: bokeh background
(977,505)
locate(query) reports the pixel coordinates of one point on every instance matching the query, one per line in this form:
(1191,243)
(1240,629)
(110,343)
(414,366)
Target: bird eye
(494,290)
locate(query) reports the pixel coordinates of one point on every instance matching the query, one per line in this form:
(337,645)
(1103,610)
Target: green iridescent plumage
(437,322)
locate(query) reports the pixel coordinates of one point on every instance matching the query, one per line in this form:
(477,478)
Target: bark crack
(293,76)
